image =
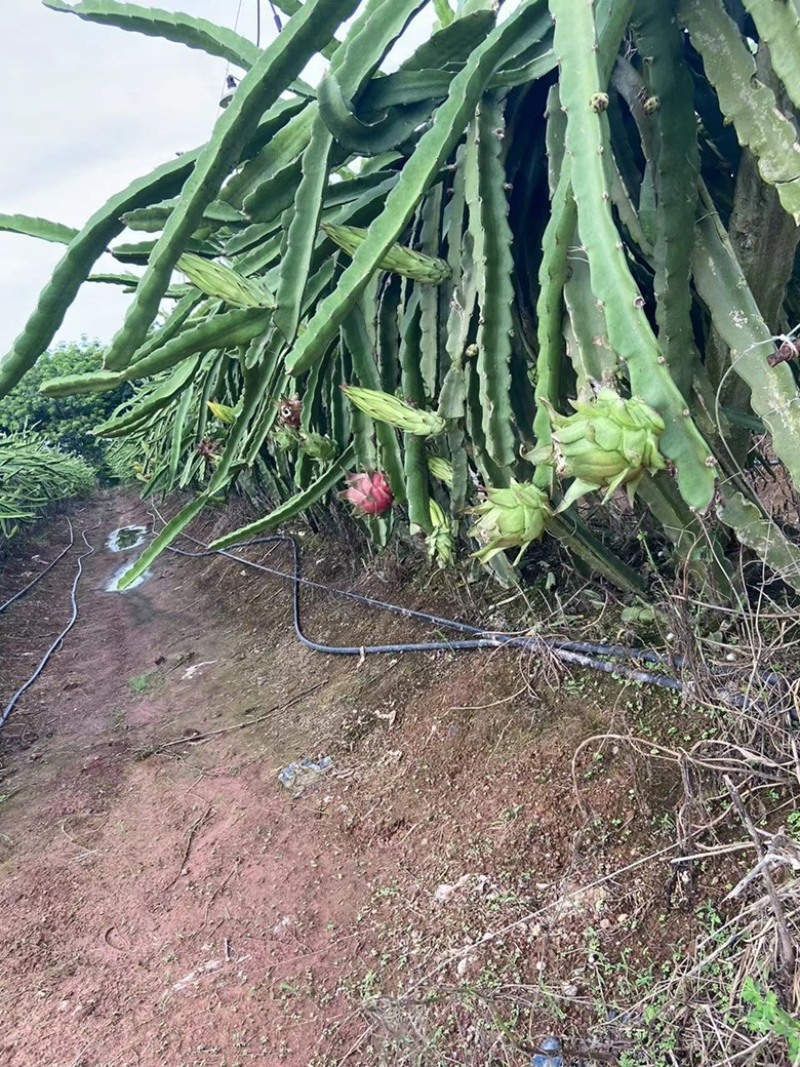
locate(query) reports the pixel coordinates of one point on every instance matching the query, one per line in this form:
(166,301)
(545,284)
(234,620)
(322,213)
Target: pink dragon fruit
(370,494)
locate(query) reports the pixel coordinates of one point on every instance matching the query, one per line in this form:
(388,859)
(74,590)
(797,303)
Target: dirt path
(166,902)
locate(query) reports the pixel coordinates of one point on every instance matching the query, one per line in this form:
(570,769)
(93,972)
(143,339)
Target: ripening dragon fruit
(370,494)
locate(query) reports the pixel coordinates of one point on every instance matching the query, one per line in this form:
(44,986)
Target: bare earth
(166,902)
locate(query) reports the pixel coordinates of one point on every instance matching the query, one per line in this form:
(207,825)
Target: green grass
(144,683)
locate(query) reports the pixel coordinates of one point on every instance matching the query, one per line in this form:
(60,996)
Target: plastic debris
(193,977)
(191,671)
(477,883)
(303,773)
(445,892)
(549,1054)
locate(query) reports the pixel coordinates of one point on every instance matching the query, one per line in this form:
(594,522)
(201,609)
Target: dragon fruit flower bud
(609,442)
(510,517)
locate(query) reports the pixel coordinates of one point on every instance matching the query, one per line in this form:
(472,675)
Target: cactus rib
(744,99)
(430,238)
(354,332)
(629,332)
(660,42)
(44,229)
(493,266)
(168,25)
(778,24)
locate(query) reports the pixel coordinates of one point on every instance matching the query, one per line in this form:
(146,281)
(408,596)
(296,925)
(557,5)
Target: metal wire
(235,29)
(38,578)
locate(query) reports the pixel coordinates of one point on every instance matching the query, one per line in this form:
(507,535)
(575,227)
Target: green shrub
(65,421)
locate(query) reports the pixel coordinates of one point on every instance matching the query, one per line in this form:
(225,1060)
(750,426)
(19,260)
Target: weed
(768,1017)
(143,683)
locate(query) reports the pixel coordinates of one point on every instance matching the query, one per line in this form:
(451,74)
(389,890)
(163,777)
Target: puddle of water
(111,586)
(126,537)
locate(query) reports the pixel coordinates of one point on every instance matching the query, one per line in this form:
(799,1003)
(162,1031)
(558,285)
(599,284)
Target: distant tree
(65,421)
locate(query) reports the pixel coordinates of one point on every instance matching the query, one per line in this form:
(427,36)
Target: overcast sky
(84,110)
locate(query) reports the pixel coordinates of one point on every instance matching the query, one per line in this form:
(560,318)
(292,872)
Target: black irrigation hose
(57,643)
(580,655)
(39,577)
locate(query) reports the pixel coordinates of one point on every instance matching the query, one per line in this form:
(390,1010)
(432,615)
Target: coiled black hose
(38,578)
(57,643)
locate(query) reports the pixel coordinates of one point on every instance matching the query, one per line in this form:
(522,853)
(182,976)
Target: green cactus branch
(735,314)
(745,100)
(590,353)
(431,221)
(493,265)
(82,253)
(371,35)
(584,99)
(269,76)
(432,150)
(660,43)
(44,229)
(778,25)
(168,25)
(763,536)
(469,244)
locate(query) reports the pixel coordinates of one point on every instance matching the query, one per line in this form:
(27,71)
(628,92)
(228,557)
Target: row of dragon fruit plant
(540,263)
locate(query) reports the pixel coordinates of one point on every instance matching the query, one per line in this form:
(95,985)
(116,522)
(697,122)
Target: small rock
(282,927)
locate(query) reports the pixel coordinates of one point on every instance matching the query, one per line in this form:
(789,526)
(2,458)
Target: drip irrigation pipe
(39,577)
(58,641)
(580,654)
(566,651)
